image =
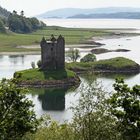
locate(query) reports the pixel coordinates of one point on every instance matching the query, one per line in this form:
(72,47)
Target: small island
(113,65)
(52,71)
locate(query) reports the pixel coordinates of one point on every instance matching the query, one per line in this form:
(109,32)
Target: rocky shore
(64,83)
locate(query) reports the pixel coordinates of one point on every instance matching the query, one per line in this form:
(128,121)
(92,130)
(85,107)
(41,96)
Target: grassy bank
(10,41)
(48,79)
(37,74)
(118,64)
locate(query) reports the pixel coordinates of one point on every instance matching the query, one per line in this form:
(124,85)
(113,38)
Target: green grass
(39,75)
(114,64)
(118,63)
(10,41)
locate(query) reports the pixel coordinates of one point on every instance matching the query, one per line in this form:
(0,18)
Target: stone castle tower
(53,53)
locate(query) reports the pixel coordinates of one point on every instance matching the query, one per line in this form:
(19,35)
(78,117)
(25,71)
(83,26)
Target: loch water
(56,102)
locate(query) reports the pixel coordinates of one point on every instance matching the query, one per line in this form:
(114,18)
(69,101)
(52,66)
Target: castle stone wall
(53,53)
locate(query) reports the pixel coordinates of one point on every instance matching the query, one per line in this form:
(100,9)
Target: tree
(14,12)
(16,114)
(92,119)
(33,65)
(35,23)
(51,130)
(22,13)
(88,58)
(39,63)
(125,106)
(21,24)
(27,25)
(15,23)
(73,54)
(2,28)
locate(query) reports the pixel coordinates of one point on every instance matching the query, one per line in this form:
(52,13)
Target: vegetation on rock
(118,64)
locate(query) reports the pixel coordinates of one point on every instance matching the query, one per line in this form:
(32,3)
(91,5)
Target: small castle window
(51,49)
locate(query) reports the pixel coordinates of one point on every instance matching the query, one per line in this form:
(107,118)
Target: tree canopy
(16,114)
(125,106)
(21,24)
(2,28)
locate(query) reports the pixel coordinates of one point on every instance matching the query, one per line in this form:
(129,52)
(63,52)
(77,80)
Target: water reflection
(90,77)
(1,56)
(51,99)
(108,79)
(14,59)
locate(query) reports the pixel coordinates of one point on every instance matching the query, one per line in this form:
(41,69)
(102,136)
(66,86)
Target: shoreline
(94,42)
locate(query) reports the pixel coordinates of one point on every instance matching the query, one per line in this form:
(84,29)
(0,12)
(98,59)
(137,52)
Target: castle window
(51,49)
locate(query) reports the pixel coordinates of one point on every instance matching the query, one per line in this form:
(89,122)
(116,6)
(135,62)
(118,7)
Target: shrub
(88,58)
(39,63)
(33,65)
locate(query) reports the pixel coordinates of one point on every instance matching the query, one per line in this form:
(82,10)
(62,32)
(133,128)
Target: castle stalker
(53,53)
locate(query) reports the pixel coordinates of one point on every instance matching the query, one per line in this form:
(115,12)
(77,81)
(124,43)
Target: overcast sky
(35,7)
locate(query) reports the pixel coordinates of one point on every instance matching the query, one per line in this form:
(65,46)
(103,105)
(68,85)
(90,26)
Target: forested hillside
(4,13)
(18,22)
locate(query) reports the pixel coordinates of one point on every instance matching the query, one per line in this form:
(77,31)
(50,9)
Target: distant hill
(121,15)
(70,12)
(4,13)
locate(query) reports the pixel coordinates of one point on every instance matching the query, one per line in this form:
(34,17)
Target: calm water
(94,23)
(56,102)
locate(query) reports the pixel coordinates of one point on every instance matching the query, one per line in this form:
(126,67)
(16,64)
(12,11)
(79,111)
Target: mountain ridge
(121,15)
(69,12)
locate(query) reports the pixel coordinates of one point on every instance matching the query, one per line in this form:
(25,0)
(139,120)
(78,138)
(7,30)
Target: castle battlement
(53,53)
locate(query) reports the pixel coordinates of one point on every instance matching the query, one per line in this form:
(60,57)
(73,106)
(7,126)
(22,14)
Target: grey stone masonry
(53,53)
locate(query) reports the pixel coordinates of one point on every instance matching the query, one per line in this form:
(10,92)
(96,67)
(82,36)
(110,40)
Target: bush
(88,58)
(33,65)
(17,75)
(39,63)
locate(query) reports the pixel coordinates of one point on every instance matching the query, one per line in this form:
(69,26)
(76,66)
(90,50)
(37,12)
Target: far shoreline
(95,40)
